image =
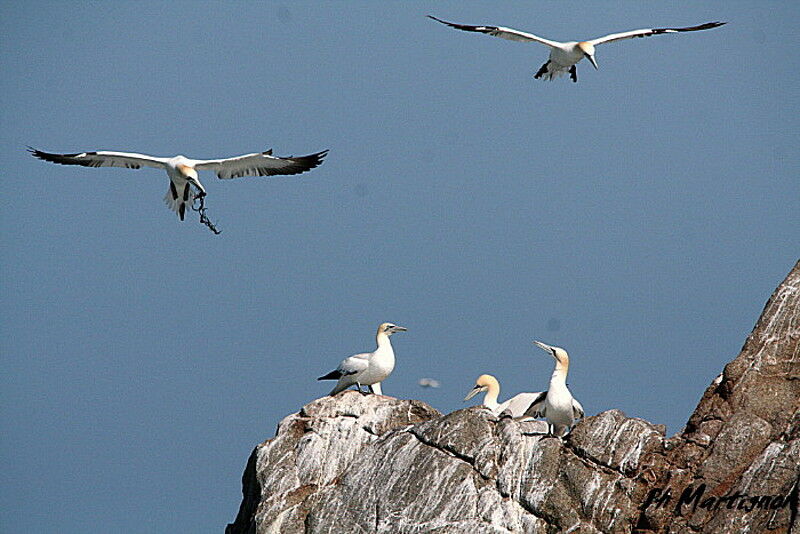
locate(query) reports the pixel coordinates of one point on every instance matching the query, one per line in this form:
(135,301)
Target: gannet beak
(473,392)
(545,347)
(399,329)
(593,62)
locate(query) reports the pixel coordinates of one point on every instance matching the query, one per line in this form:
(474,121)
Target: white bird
(557,404)
(369,368)
(182,171)
(564,56)
(516,406)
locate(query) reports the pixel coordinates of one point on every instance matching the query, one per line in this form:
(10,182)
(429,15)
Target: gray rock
(370,463)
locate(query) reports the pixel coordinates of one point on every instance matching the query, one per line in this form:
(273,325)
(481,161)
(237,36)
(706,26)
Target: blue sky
(639,218)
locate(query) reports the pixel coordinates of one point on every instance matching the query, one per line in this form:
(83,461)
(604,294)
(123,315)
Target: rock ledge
(375,464)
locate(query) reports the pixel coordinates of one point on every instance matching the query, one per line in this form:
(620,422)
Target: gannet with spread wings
(564,56)
(182,171)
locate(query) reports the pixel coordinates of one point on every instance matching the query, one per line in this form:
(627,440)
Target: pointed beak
(592,61)
(545,347)
(399,329)
(475,391)
(542,346)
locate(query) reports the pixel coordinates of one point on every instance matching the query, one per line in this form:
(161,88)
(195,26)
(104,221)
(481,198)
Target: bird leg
(573,73)
(542,71)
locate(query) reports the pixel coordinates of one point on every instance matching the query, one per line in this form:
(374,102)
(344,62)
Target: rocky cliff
(734,468)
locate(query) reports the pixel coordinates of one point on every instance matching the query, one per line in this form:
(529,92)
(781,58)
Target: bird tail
(179,201)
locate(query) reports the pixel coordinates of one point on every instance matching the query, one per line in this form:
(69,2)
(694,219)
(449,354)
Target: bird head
(187,171)
(483,383)
(588,52)
(390,328)
(559,355)
(190,173)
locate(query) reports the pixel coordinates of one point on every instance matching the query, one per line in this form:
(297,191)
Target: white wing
(354,364)
(259,164)
(652,31)
(102,158)
(518,405)
(499,31)
(536,408)
(577,409)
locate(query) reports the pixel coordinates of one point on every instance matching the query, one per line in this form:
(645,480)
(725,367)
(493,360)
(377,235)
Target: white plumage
(557,404)
(516,406)
(369,368)
(182,171)
(564,56)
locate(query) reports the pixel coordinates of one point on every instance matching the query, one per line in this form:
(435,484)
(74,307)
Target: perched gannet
(516,406)
(557,404)
(369,368)
(564,56)
(182,171)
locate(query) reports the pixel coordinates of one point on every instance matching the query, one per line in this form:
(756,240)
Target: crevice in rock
(589,461)
(569,494)
(447,450)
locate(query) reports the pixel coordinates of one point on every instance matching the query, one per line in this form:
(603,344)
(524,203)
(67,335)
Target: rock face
(734,468)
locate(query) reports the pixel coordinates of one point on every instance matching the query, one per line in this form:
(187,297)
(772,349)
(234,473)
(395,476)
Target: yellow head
(484,383)
(390,328)
(559,355)
(187,171)
(588,52)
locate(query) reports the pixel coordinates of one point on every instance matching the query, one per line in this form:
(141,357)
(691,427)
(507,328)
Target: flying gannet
(182,171)
(557,404)
(516,406)
(369,368)
(564,56)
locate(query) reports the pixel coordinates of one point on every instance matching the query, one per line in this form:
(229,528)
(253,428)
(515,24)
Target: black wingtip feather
(64,159)
(306,163)
(705,26)
(465,27)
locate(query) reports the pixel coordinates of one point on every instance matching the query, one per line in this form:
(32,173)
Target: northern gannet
(369,368)
(557,404)
(516,406)
(564,56)
(182,171)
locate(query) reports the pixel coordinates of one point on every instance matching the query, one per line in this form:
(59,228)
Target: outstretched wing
(652,31)
(499,31)
(101,158)
(536,408)
(259,164)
